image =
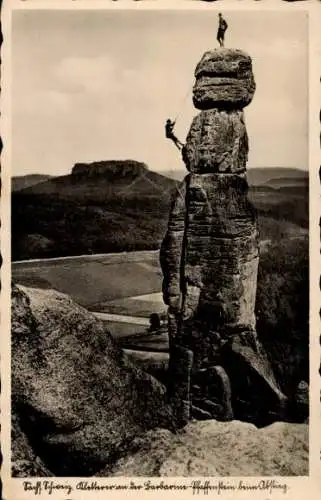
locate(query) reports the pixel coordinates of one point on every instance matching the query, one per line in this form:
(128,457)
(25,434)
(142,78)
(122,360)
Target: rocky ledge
(212,448)
(77,400)
(81,407)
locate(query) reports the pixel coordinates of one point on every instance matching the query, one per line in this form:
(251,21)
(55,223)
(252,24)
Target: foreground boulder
(212,448)
(25,462)
(77,400)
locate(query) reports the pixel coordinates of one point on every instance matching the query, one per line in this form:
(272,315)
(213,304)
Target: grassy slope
(132,307)
(72,215)
(92,283)
(20,182)
(124,330)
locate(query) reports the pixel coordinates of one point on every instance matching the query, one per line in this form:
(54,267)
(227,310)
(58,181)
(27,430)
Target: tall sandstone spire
(210,256)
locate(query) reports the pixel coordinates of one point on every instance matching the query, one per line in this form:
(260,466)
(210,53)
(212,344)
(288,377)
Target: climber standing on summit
(169,132)
(222,27)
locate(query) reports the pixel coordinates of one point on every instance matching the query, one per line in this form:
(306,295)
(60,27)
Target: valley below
(95,235)
(85,251)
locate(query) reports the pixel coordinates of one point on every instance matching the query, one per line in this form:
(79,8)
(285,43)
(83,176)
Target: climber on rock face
(169,132)
(222,27)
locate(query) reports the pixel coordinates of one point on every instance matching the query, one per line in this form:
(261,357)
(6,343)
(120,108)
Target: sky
(99,85)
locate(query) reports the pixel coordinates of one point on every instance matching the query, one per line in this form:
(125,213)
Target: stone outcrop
(224,80)
(109,169)
(77,400)
(217,142)
(209,258)
(218,449)
(25,462)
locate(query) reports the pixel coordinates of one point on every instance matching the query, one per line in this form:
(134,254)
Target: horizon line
(180,169)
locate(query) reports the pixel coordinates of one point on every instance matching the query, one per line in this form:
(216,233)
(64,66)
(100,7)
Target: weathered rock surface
(110,169)
(221,255)
(217,142)
(211,448)
(301,401)
(224,79)
(210,256)
(25,462)
(171,256)
(76,398)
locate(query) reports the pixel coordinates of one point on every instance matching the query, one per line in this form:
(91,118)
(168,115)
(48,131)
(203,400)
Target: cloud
(102,84)
(95,96)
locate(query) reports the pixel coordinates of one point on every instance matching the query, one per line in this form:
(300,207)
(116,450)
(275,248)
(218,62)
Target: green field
(91,283)
(131,306)
(150,342)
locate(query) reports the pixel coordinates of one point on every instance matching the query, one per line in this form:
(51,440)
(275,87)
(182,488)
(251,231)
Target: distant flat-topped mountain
(116,206)
(288,182)
(274,177)
(128,171)
(107,206)
(20,182)
(112,169)
(106,180)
